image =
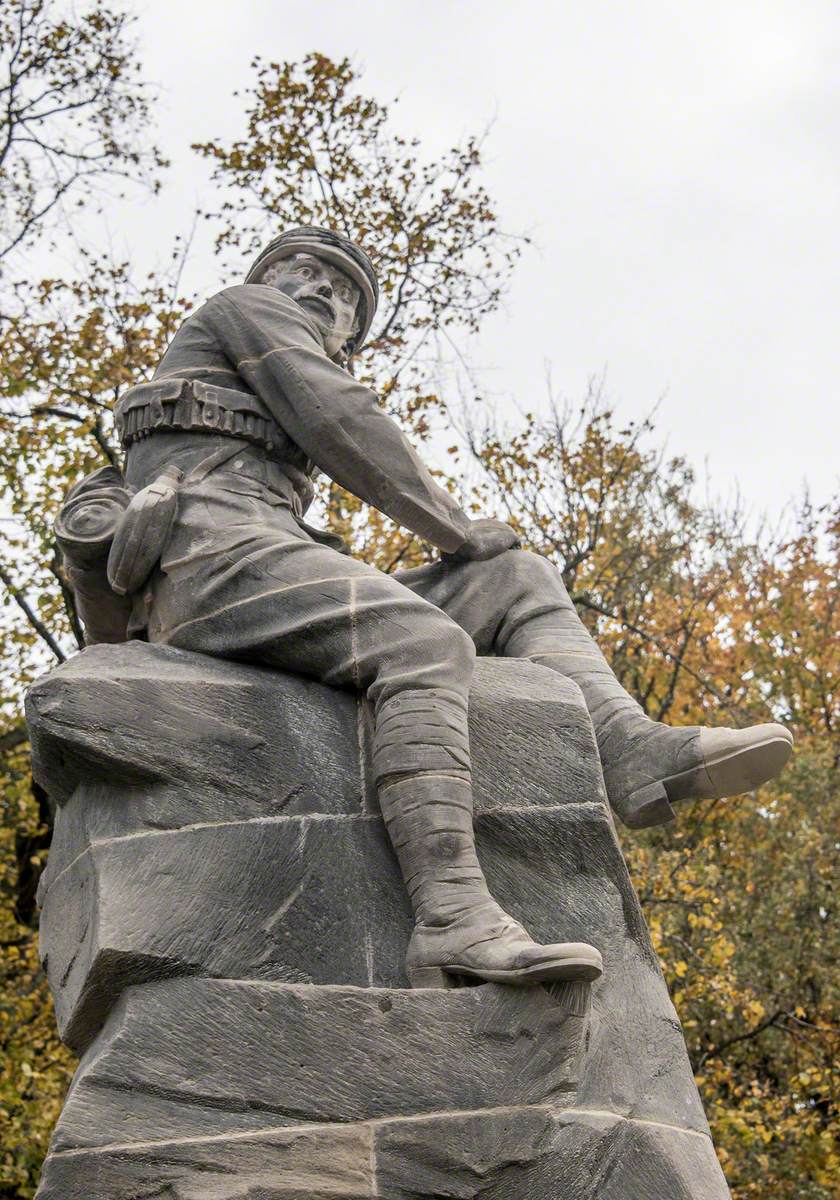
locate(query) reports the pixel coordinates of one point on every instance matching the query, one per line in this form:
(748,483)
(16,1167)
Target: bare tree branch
(12,738)
(716,1051)
(30,614)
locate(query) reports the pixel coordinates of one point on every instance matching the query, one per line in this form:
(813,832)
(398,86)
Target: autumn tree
(700,618)
(75,114)
(316,150)
(74,123)
(704,623)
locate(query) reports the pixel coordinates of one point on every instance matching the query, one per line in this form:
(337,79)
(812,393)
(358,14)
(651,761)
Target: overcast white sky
(677,163)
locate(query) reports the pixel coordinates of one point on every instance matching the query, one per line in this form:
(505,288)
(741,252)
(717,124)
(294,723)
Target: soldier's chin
(316,313)
(333,343)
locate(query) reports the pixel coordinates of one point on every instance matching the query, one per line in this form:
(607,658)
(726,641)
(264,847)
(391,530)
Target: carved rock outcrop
(224,928)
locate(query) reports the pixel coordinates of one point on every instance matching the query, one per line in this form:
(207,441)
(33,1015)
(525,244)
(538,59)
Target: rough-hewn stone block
(218,1056)
(260,854)
(533,1153)
(300,899)
(304,1163)
(178,738)
(167,869)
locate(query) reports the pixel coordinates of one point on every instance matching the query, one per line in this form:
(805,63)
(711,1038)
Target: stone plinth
(224,928)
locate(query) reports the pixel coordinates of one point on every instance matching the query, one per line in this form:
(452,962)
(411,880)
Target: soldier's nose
(324,288)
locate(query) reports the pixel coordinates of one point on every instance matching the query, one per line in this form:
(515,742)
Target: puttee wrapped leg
(421,760)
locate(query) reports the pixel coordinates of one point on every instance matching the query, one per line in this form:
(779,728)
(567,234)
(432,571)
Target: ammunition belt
(194,407)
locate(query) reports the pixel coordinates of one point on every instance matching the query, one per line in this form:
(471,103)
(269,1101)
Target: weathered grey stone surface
(297,1163)
(542,1153)
(173,856)
(275,1059)
(222,1072)
(296,900)
(526,1153)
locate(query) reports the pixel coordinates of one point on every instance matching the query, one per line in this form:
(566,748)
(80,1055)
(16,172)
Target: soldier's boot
(460,929)
(648,766)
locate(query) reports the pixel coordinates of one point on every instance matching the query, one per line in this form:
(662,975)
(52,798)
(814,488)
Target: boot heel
(647,806)
(430,977)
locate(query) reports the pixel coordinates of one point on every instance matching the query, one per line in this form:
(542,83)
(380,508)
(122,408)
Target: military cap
(335,248)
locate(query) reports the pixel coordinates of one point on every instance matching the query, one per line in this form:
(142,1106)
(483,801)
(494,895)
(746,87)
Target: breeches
(242,579)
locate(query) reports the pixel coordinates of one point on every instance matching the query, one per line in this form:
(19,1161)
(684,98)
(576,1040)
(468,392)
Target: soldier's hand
(486,539)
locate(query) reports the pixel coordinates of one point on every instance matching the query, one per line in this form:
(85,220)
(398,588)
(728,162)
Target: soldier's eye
(306,272)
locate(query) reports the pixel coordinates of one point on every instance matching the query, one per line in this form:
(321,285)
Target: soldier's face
(329,296)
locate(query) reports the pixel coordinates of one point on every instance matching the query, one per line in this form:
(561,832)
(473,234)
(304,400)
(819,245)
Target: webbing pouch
(141,536)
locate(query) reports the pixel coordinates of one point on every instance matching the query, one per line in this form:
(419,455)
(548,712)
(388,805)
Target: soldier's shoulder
(268,308)
(251,295)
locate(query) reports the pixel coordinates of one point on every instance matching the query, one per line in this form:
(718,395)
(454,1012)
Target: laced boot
(460,929)
(648,767)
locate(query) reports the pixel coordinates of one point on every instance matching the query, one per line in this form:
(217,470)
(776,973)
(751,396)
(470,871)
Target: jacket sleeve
(336,421)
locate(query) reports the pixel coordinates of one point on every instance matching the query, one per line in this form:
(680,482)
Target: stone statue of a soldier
(251,400)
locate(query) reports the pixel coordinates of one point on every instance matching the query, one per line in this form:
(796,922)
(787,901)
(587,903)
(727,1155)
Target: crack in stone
(309,1127)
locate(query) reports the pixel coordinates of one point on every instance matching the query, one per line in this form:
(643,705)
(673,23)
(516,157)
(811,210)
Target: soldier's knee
(438,653)
(526,568)
(448,644)
(461,649)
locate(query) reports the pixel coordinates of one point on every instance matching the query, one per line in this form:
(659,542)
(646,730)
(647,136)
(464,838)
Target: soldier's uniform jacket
(251,364)
(247,406)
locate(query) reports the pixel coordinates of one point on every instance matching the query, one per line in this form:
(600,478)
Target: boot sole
(726,775)
(583,970)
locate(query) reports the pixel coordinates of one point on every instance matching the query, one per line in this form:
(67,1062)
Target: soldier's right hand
(486,539)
